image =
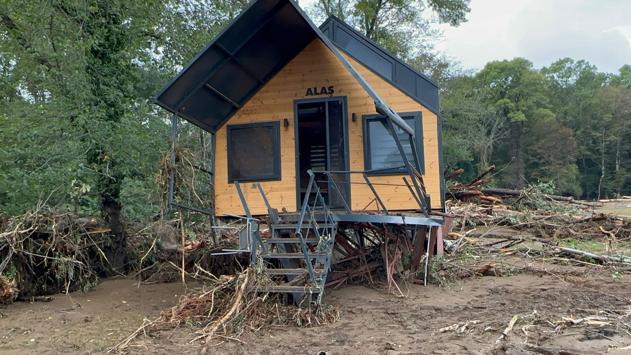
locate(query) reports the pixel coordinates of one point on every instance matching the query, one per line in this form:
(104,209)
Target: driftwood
(509,328)
(210,329)
(602,258)
(475,190)
(552,232)
(227,306)
(512,192)
(44,252)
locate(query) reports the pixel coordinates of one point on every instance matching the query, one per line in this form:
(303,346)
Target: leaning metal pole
(171,187)
(417,187)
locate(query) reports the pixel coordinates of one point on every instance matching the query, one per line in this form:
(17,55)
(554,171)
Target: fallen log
(480,177)
(454,174)
(497,191)
(602,258)
(501,191)
(491,199)
(466,193)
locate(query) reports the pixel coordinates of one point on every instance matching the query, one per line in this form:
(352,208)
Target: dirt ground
(620,207)
(372,320)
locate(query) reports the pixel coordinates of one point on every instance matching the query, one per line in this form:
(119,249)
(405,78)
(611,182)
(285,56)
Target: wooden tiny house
(282,97)
(320,135)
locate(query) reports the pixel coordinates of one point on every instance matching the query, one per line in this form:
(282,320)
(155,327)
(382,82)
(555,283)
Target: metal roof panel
(247,54)
(398,73)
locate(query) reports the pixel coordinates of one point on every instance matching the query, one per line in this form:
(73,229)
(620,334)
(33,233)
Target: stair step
(289,240)
(291,255)
(305,225)
(291,271)
(289,289)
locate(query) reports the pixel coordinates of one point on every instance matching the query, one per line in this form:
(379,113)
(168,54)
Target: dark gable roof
(392,69)
(258,44)
(246,55)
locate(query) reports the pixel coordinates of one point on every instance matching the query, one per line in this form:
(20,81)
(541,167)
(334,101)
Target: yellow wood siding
(316,66)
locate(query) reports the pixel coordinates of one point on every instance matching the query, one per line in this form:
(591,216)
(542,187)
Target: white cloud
(543,31)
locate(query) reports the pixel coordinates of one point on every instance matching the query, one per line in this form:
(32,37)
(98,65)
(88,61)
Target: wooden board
(316,66)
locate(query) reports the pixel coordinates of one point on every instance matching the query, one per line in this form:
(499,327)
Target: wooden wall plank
(316,66)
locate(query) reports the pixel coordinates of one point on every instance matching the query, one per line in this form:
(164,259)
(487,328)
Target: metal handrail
(308,210)
(364,173)
(301,218)
(374,192)
(417,188)
(255,239)
(339,192)
(324,240)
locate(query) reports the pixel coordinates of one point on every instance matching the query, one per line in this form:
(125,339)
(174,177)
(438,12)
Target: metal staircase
(297,255)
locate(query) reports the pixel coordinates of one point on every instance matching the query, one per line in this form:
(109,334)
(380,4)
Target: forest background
(78,128)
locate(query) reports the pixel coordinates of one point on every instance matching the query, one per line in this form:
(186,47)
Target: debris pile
(529,224)
(533,327)
(8,290)
(492,221)
(477,191)
(385,251)
(162,250)
(43,253)
(472,190)
(231,304)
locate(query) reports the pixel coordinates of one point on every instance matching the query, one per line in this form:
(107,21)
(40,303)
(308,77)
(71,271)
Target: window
(254,152)
(381,155)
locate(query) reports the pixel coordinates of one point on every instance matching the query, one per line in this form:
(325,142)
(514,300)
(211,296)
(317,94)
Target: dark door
(322,146)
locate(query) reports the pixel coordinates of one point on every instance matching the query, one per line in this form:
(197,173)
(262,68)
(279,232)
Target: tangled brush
(230,305)
(193,186)
(8,290)
(44,252)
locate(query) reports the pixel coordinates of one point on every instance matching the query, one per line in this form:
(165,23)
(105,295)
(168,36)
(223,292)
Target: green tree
(403,27)
(594,105)
(624,77)
(77,59)
(470,130)
(614,107)
(518,94)
(77,78)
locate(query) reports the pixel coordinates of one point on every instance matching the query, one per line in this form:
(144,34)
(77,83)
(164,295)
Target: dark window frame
(418,135)
(277,174)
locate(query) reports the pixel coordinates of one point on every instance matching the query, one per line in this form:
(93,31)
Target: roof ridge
(204,92)
(378,46)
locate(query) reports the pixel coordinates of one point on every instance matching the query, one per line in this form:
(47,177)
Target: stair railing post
(374,192)
(252,235)
(408,166)
(338,191)
(298,232)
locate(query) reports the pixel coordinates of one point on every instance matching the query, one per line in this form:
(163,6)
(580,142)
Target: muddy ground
(372,320)
(621,207)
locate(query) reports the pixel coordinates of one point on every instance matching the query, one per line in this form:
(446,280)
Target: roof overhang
(243,58)
(390,68)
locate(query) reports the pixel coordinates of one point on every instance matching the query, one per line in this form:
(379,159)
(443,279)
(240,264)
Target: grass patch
(596,247)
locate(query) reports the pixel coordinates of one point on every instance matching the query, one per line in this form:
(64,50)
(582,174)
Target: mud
(83,322)
(372,320)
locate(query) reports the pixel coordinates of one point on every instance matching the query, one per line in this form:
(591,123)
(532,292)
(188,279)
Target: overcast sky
(541,31)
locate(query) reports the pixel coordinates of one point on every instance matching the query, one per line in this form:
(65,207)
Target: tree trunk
(518,154)
(109,187)
(117,252)
(602,165)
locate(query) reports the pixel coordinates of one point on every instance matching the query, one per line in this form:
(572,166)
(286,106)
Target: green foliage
(77,78)
(78,128)
(403,27)
(566,123)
